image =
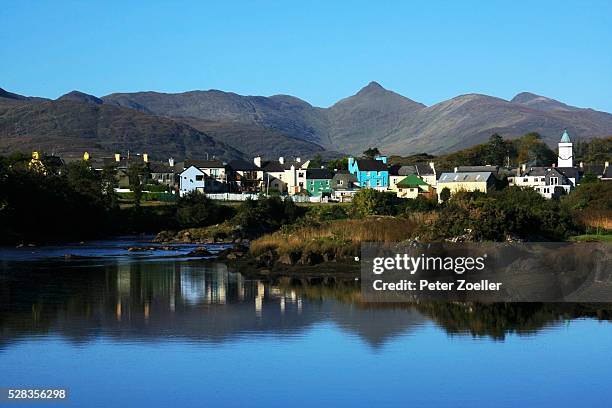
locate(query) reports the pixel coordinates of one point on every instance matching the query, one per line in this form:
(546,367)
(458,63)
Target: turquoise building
(370,173)
(318,181)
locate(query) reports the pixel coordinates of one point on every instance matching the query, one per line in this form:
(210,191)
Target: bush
(373,202)
(197,210)
(512,212)
(266,214)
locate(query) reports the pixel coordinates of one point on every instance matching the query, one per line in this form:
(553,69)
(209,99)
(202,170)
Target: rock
(289,259)
(165,236)
(231,256)
(265,259)
(201,251)
(137,249)
(311,258)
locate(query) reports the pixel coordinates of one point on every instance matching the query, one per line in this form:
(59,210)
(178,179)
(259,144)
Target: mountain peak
(540,102)
(78,96)
(373,86)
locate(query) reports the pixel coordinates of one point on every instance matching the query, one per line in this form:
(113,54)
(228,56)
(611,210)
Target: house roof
(370,165)
(596,169)
(411,181)
(273,167)
(406,170)
(470,177)
(424,169)
(537,172)
(204,164)
(394,170)
(344,175)
(318,174)
(156,167)
(569,172)
(467,169)
(607,173)
(243,165)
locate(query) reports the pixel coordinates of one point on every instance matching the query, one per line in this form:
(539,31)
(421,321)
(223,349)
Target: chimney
(607,165)
(145,157)
(281,160)
(171,162)
(582,165)
(456,169)
(298,159)
(523,168)
(257,161)
(117,157)
(433,166)
(85,156)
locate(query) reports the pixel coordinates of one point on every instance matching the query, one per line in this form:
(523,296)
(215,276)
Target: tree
(337,164)
(445,194)
(316,161)
(196,210)
(135,173)
(371,153)
(496,150)
(373,202)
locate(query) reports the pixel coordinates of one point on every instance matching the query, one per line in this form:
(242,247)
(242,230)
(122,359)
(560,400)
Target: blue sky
(320,51)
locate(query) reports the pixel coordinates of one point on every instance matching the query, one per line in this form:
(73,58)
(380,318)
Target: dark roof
(243,165)
(318,174)
(272,166)
(466,169)
(370,165)
(344,175)
(407,170)
(536,171)
(569,172)
(424,169)
(608,173)
(203,164)
(394,170)
(156,167)
(596,169)
(465,177)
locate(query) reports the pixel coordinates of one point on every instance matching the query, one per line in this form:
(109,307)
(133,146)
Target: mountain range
(229,125)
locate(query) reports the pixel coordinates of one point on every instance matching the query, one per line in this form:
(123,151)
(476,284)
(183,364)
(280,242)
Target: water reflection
(196,301)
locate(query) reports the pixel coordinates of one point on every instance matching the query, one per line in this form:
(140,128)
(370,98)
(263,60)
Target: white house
(192,179)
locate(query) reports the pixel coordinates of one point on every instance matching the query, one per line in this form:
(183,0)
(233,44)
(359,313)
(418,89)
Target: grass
(339,238)
(592,238)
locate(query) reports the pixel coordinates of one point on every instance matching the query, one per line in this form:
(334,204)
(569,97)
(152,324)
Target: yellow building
(481,181)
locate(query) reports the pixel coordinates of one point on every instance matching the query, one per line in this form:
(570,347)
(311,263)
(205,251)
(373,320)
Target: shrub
(372,202)
(197,210)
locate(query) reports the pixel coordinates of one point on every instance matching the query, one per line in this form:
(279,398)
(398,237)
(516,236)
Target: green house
(411,186)
(318,181)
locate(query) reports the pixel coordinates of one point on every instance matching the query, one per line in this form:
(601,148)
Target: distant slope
(364,119)
(256,140)
(285,125)
(379,117)
(283,113)
(70,128)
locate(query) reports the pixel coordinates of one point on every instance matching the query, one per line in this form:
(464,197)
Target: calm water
(149,329)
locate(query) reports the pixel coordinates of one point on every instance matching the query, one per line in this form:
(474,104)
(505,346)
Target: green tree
(197,210)
(445,194)
(496,150)
(338,164)
(316,161)
(371,153)
(373,202)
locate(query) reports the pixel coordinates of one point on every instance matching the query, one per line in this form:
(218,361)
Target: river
(156,328)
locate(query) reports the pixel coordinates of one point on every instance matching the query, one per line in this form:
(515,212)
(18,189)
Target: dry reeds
(340,237)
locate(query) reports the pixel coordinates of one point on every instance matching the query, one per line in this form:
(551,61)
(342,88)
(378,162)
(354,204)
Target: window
(199,178)
(525,180)
(341,182)
(554,181)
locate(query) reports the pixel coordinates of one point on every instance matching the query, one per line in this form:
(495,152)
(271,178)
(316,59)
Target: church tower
(566,155)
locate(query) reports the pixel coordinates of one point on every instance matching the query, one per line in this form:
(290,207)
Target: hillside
(377,116)
(69,128)
(226,123)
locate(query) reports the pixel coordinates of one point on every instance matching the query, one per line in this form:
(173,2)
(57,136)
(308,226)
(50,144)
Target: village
(303,181)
